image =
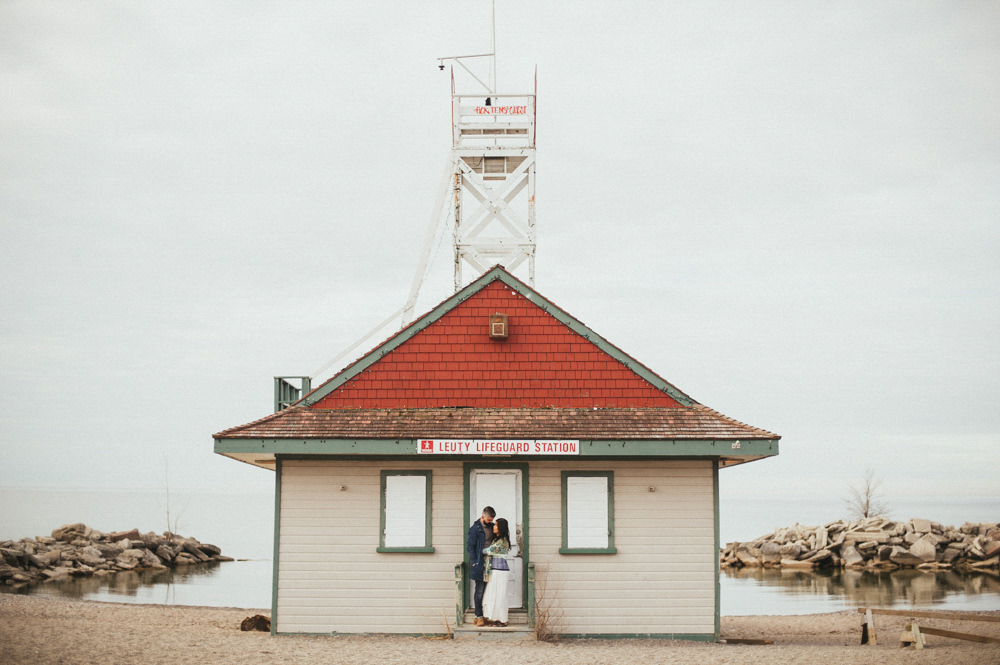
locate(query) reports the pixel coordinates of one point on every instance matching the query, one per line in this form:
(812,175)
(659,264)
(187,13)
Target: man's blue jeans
(478,596)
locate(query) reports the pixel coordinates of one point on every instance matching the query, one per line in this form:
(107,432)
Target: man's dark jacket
(474,545)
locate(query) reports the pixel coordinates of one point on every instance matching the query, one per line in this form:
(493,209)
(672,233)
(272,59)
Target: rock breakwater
(874,543)
(76,550)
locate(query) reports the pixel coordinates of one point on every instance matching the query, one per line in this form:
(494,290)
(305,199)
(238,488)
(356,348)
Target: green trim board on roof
(588,448)
(497,273)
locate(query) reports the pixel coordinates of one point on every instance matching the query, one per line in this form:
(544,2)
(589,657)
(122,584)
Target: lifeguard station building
(497,397)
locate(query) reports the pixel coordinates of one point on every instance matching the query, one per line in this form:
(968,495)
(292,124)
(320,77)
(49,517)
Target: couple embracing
(488,545)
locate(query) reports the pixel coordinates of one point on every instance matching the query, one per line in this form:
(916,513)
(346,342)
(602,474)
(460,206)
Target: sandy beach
(45,631)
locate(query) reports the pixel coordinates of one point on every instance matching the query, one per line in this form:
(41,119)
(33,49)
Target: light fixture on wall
(499,326)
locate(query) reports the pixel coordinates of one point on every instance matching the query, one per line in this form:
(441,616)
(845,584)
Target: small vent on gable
(499,327)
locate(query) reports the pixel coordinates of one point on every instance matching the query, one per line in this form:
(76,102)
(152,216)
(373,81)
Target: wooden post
(870,628)
(911,635)
(531,595)
(459,596)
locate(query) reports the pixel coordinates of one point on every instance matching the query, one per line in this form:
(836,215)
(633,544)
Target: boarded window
(406,511)
(588,512)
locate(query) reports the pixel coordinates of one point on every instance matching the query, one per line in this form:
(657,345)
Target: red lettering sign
(498,447)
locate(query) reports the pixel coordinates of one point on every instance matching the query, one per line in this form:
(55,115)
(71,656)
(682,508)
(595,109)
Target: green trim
(277,549)
(718,547)
(467,469)
(692,637)
(428,504)
(665,448)
(565,548)
(497,273)
(339,634)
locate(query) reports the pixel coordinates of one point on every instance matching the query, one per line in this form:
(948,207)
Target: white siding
(661,581)
(330,577)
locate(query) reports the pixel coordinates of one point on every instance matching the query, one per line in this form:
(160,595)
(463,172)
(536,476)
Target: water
(241,523)
(245,584)
(750,591)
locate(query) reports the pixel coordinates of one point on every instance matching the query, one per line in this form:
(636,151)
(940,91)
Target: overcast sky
(790,210)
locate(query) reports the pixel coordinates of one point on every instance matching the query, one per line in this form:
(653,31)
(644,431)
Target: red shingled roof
(453,362)
(444,377)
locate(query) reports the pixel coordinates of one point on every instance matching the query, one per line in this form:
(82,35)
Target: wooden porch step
(517,629)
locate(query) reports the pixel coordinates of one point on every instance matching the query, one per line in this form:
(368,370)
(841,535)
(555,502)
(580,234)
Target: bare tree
(865,498)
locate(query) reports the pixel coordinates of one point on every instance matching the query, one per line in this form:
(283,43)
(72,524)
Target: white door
(501,488)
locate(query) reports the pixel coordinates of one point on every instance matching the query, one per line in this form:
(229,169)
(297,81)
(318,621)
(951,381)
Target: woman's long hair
(503,531)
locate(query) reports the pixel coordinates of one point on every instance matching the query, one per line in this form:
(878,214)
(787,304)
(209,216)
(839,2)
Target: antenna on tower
(488,201)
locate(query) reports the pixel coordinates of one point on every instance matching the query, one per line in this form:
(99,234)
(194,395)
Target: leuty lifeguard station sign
(498,447)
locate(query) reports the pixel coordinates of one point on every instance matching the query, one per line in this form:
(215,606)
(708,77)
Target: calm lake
(242,525)
(247,584)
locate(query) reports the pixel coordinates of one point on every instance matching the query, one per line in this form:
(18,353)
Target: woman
(498,574)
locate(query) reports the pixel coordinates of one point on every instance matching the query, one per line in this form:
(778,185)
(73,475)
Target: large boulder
(902,556)
(52,557)
(122,535)
(67,533)
(90,556)
(748,555)
(867,536)
(150,560)
(951,553)
(166,553)
(925,548)
(256,622)
(770,554)
(191,547)
(817,557)
(851,557)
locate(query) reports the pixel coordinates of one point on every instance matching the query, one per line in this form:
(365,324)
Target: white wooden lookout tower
(487,197)
(493,181)
(487,194)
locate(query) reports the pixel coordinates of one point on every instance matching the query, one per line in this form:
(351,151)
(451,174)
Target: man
(480,536)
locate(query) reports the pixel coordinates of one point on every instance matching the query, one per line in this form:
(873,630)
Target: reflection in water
(230,584)
(125,583)
(845,588)
(745,591)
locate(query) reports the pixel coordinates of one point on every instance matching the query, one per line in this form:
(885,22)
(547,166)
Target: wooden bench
(913,633)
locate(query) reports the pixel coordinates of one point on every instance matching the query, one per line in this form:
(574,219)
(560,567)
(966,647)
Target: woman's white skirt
(495,597)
